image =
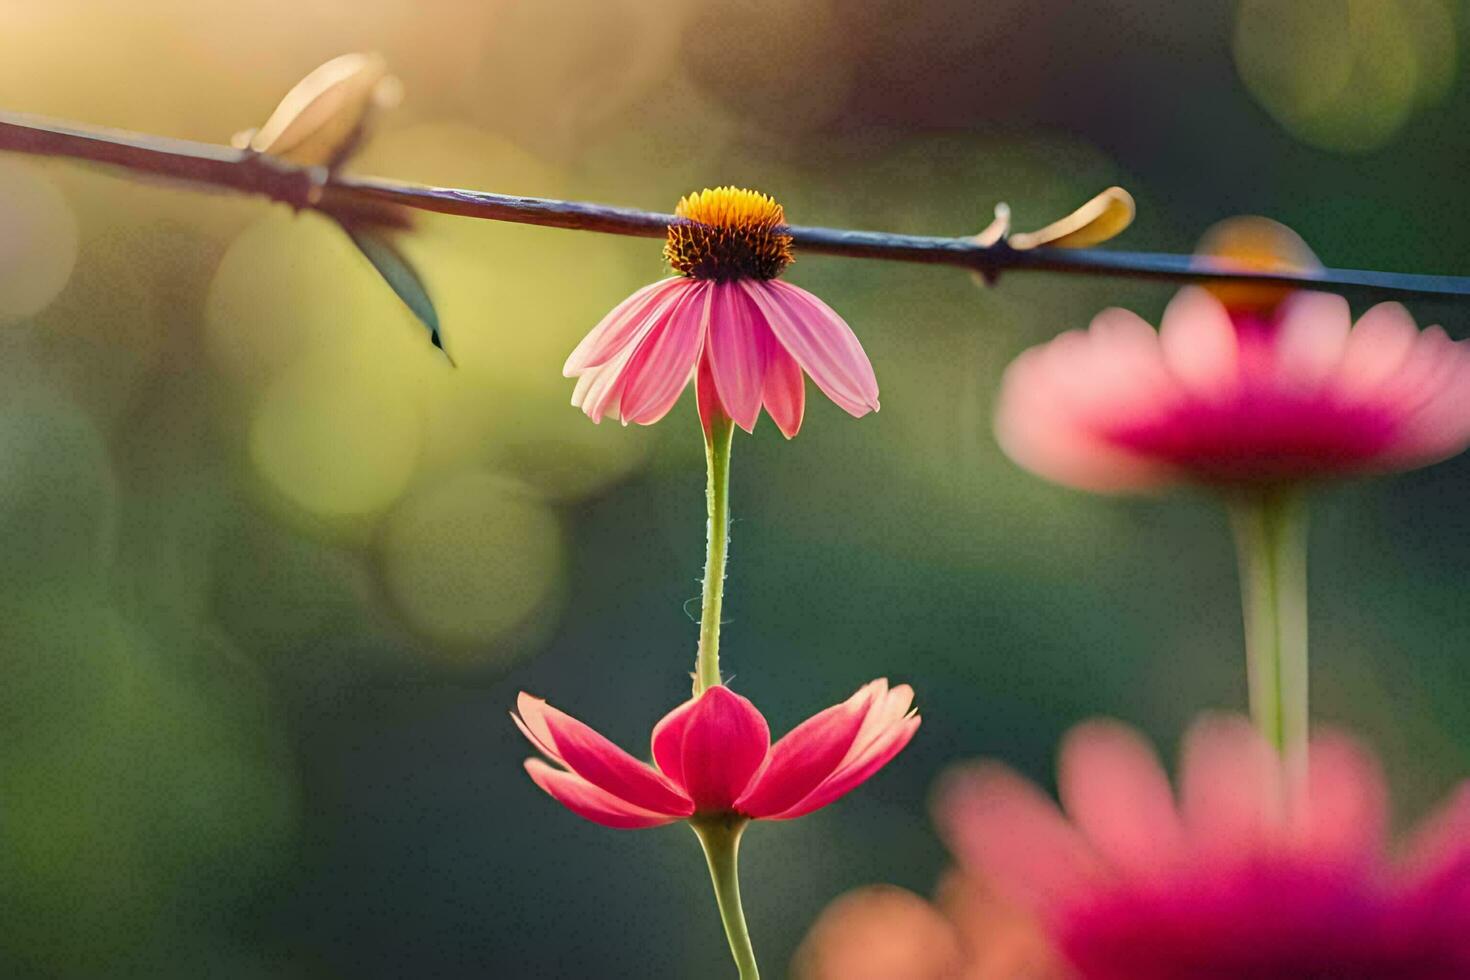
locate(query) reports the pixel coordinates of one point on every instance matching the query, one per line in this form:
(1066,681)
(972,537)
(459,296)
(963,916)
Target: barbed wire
(249,172)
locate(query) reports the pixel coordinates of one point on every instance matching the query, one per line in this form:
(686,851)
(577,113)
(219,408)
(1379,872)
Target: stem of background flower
(721,840)
(717,438)
(1270,537)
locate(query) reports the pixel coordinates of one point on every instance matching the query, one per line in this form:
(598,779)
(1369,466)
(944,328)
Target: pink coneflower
(714,761)
(1254,391)
(727,319)
(1233,392)
(1227,882)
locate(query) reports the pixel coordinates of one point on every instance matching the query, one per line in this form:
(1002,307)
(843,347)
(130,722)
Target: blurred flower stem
(1270,527)
(720,838)
(250,172)
(718,435)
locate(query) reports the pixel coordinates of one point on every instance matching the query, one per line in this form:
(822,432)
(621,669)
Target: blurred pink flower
(1265,387)
(881,932)
(713,756)
(726,319)
(1132,886)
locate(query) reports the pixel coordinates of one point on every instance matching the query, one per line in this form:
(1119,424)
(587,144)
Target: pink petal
(532,722)
(665,360)
(1378,346)
(808,754)
(600,389)
(668,741)
(711,745)
(583,386)
(1120,374)
(1036,427)
(625,325)
(1199,343)
(851,775)
(591,803)
(1428,394)
(1113,786)
(1441,841)
(599,761)
(1440,426)
(1230,783)
(887,708)
(1311,339)
(1347,815)
(1431,364)
(821,342)
(1005,829)
(736,352)
(784,392)
(706,398)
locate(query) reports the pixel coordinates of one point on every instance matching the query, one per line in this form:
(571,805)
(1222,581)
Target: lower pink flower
(1230,881)
(713,755)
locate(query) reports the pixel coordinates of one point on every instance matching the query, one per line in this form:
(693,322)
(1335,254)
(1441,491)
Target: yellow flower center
(728,233)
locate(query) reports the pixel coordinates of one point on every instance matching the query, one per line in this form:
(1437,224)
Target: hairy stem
(717,441)
(721,841)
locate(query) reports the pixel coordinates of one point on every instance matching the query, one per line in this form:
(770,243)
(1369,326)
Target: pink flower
(1131,885)
(881,932)
(1256,389)
(713,756)
(726,319)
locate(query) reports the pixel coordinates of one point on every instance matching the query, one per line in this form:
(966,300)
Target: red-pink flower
(1230,881)
(713,756)
(727,319)
(1241,391)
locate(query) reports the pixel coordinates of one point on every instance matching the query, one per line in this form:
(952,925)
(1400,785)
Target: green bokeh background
(271,573)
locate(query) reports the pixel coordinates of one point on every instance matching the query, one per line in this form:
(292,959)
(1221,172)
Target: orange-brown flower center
(1253,244)
(728,233)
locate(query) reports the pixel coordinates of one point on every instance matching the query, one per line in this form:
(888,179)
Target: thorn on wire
(298,187)
(990,236)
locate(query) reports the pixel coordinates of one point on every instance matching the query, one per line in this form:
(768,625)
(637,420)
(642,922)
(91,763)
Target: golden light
(468,560)
(38,247)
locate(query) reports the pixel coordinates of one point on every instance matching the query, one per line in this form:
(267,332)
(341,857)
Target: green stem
(717,439)
(1270,537)
(720,837)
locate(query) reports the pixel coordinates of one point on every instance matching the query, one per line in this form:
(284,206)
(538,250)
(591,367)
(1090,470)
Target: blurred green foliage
(271,571)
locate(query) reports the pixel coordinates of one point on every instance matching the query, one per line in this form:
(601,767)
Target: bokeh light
(39,246)
(1346,74)
(335,439)
(470,558)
